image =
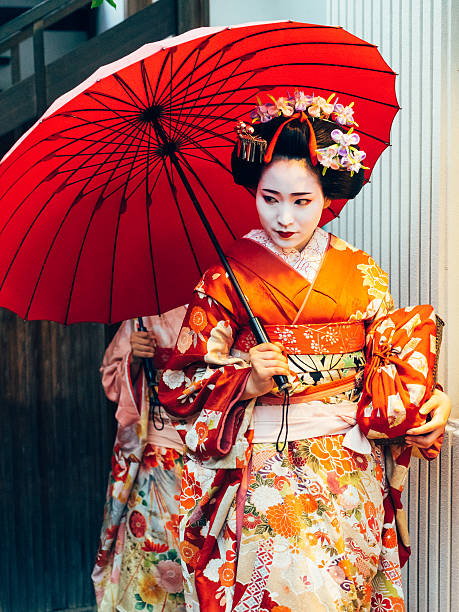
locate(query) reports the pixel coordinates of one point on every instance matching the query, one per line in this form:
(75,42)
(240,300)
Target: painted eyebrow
(295,193)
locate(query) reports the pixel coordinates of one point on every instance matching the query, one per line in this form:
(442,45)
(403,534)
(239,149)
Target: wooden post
(15,65)
(40,68)
(192,14)
(134,6)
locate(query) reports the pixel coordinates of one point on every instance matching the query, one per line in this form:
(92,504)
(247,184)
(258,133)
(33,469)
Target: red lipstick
(285,235)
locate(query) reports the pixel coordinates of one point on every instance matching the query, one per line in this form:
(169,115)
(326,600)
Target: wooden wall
(57,431)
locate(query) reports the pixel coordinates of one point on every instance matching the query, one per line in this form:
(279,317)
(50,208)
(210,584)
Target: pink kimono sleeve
(116,377)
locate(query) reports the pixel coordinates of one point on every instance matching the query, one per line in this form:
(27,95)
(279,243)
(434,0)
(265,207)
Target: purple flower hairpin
(342,155)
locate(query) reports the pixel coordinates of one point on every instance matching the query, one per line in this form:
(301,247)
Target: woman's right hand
(143,344)
(267,361)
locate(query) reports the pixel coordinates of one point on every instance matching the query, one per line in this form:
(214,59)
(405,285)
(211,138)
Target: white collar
(305,262)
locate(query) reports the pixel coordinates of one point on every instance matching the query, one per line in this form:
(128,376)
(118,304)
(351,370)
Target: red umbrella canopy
(95,224)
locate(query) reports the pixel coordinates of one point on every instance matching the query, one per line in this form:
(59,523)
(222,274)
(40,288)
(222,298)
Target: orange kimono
(299,528)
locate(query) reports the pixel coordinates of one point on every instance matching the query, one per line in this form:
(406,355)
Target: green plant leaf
(96,3)
(140,605)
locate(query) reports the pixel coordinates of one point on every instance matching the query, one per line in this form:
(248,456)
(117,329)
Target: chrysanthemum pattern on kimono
(260,529)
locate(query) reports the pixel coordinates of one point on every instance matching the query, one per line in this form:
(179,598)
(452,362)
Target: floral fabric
(316,495)
(138,564)
(311,531)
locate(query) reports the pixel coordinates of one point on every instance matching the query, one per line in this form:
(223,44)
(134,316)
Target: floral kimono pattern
(138,563)
(262,529)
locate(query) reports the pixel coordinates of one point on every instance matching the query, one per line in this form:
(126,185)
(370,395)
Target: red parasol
(96,214)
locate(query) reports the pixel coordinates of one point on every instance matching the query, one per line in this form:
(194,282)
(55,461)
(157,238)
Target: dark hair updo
(293,143)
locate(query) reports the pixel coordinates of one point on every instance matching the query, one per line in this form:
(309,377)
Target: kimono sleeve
(116,377)
(202,383)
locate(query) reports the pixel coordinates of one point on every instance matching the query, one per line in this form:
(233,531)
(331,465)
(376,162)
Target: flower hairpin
(342,155)
(339,156)
(316,106)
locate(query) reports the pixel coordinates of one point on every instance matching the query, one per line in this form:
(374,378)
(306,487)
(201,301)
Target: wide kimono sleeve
(116,377)
(202,384)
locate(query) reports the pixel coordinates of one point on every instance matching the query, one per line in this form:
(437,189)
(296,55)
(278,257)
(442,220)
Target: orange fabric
(314,339)
(276,291)
(399,372)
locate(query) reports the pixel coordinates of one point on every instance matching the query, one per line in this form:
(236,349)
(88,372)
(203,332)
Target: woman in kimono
(138,564)
(283,506)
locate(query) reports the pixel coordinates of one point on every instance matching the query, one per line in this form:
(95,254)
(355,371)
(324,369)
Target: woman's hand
(267,360)
(143,344)
(439,406)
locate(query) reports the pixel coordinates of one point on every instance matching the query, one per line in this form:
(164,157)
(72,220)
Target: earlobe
(327,202)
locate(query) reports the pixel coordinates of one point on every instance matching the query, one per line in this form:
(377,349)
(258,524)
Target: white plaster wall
(108,16)
(225,12)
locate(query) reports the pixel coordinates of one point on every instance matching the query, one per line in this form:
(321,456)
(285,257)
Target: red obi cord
(312,138)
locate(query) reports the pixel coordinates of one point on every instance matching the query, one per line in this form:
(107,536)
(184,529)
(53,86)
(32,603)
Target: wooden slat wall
(57,432)
(397,220)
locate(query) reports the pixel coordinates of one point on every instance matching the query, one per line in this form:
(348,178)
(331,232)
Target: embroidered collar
(305,262)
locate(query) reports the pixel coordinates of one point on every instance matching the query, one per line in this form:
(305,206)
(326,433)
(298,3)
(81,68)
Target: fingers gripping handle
(261,336)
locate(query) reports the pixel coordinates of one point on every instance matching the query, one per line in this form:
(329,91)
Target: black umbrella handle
(150,375)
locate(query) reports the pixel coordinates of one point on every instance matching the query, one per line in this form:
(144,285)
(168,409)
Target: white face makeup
(289,202)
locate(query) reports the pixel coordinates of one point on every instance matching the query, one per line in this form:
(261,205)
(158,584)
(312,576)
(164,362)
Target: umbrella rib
(128,89)
(145,79)
(222,118)
(206,151)
(72,140)
(82,246)
(112,111)
(92,93)
(52,244)
(200,94)
(187,86)
(107,171)
(108,194)
(201,45)
(255,34)
(190,169)
(174,195)
(156,98)
(211,133)
(23,201)
(179,88)
(297,64)
(147,211)
(120,211)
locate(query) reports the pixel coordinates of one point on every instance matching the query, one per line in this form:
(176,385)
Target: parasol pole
(150,375)
(256,325)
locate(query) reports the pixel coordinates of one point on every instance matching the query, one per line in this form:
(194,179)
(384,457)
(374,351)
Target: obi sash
(312,339)
(308,416)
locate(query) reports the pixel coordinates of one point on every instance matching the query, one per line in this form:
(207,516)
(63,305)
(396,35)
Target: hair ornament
(340,156)
(250,148)
(315,106)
